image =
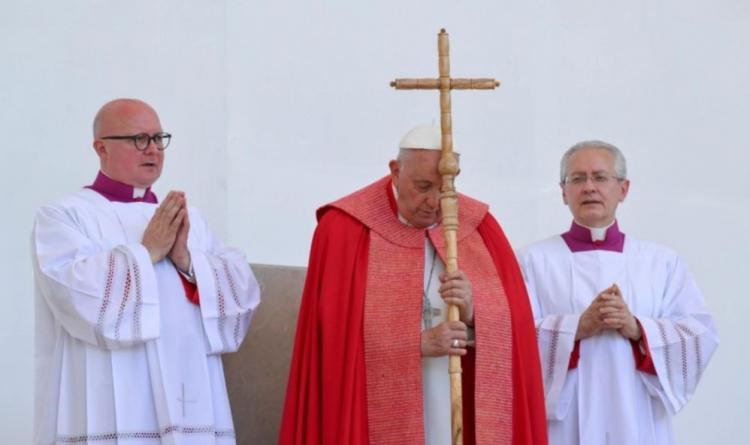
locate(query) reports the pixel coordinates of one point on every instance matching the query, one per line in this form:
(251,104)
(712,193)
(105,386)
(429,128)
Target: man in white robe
(135,302)
(624,333)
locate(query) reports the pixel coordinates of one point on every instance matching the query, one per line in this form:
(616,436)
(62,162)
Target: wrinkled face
(119,159)
(593,203)
(417,182)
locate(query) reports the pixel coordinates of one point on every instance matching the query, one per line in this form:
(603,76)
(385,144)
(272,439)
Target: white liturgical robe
(122,356)
(605,399)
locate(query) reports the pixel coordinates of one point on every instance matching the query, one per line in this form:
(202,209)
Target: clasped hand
(167,231)
(608,311)
(451,337)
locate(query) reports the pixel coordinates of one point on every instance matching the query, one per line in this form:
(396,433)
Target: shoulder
(332,220)
(80,202)
(650,249)
(554,245)
(472,213)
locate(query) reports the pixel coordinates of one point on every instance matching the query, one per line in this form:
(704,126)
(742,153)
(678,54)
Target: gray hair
(621,168)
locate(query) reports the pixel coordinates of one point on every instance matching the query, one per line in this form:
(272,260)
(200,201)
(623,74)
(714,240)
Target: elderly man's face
(593,203)
(120,160)
(417,182)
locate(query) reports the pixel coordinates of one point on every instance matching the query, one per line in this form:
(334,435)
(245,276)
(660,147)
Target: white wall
(279,107)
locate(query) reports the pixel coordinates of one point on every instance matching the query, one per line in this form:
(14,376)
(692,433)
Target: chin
(426,224)
(589,220)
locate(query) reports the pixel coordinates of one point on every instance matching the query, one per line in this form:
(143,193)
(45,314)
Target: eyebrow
(582,172)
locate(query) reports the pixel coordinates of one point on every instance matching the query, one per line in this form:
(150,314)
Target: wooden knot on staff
(448,169)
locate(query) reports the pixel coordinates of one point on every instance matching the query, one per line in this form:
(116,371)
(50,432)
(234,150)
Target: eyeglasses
(142,140)
(596,178)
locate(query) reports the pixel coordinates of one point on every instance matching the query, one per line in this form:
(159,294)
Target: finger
(460,302)
(456,275)
(613,324)
(613,304)
(458,343)
(456,326)
(458,335)
(619,316)
(163,204)
(172,212)
(453,292)
(176,222)
(168,208)
(186,221)
(169,199)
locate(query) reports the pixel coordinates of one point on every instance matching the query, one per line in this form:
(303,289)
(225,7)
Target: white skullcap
(424,137)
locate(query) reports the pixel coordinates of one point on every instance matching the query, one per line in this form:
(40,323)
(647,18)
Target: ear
(564,196)
(624,188)
(395,168)
(99,148)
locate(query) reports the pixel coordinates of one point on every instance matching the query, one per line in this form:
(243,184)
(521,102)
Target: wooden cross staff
(448,168)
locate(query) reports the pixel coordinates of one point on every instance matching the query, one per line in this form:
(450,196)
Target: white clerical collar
(598,233)
(400,217)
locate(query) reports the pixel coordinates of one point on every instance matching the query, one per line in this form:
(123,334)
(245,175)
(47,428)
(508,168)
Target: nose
(433,199)
(151,147)
(589,185)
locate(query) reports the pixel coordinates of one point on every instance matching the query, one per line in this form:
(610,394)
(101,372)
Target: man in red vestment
(372,330)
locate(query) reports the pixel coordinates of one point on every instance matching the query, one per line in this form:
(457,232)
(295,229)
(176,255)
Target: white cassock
(122,356)
(605,400)
(435,378)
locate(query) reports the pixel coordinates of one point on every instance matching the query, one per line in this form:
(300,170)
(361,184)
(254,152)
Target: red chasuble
(356,372)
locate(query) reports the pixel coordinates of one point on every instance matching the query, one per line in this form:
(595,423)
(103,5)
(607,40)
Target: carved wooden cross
(448,168)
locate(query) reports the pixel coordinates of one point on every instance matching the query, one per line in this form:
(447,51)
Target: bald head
(116,114)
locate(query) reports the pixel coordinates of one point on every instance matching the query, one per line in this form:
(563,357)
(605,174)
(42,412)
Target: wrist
(182,261)
(637,334)
(153,254)
(188,273)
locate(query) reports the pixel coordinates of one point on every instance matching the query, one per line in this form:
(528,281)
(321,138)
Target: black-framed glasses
(142,140)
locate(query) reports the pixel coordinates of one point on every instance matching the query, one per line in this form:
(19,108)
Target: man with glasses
(624,334)
(135,302)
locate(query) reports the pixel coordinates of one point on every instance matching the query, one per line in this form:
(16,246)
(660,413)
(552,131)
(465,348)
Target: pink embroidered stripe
(138,302)
(123,304)
(154,435)
(221,308)
(111,264)
(667,357)
(233,290)
(553,349)
(696,340)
